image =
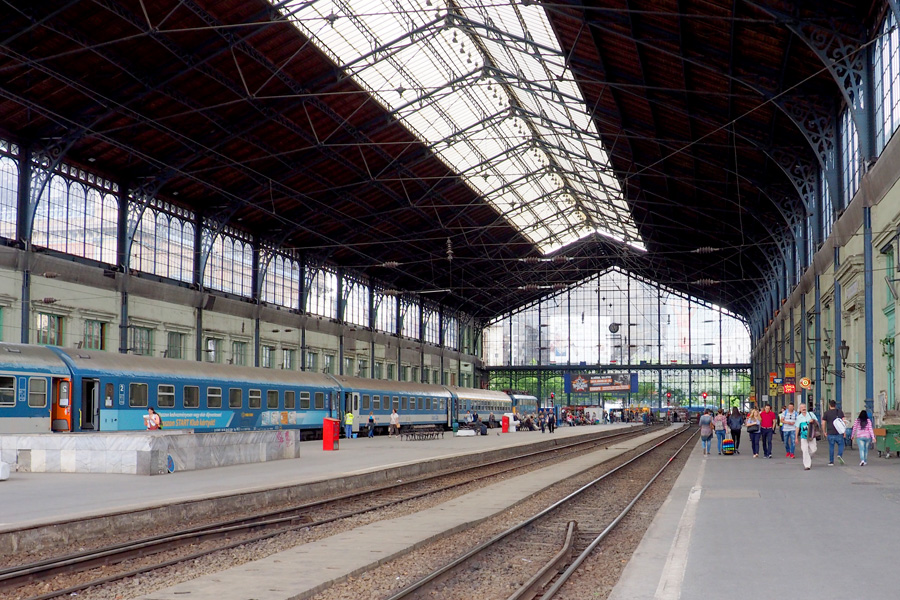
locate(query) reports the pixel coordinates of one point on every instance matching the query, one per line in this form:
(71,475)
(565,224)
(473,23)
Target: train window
(191,396)
(366,402)
(396,403)
(320,400)
(428,403)
(421,403)
(235,398)
(254,399)
(165,395)
(137,394)
(290,400)
(376,402)
(7,391)
(214,397)
(272,399)
(37,392)
(304,400)
(404,403)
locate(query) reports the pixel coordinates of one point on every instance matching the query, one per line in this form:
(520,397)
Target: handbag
(813,431)
(753,428)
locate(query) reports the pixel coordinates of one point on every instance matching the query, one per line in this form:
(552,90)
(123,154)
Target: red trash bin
(504,424)
(331,433)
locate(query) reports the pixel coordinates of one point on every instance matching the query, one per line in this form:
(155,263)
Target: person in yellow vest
(348,424)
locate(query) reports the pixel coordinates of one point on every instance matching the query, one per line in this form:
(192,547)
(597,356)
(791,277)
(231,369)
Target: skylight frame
(486,87)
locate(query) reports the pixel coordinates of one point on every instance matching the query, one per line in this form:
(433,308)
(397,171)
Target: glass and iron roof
(486,87)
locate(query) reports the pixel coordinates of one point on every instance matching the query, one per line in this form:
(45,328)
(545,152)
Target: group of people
(797,426)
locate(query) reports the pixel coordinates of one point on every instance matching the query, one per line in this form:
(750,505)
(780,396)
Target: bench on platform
(421,432)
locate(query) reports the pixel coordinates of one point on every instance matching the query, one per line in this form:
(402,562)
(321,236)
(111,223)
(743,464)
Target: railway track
(229,534)
(578,522)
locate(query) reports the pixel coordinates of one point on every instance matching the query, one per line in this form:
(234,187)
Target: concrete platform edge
(642,575)
(85,527)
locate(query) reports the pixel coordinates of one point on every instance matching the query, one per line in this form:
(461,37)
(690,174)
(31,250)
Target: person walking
(835,438)
(807,424)
(348,424)
(706,431)
(371,424)
(789,430)
(753,430)
(394,428)
(735,422)
(719,423)
(864,435)
(767,420)
(551,421)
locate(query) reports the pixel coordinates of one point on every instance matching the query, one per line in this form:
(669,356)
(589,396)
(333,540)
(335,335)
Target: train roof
(393,387)
(523,396)
(31,357)
(476,394)
(89,361)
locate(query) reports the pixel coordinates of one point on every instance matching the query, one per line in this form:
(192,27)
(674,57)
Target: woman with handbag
(753,430)
(807,431)
(706,431)
(864,435)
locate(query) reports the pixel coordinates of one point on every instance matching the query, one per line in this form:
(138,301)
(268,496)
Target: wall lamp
(845,350)
(825,363)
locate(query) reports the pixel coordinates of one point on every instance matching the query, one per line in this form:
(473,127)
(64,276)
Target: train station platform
(35,499)
(349,554)
(736,527)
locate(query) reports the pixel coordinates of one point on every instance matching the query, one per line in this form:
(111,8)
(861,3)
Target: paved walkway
(742,528)
(36,498)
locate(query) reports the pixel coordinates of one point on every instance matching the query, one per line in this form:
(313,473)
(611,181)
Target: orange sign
(805,383)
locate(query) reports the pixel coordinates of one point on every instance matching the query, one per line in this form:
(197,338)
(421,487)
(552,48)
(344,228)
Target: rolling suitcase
(728,447)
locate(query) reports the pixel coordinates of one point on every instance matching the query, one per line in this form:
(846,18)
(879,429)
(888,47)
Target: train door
(351,405)
(90,406)
(61,408)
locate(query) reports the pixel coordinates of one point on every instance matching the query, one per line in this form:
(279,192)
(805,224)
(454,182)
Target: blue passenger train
(58,389)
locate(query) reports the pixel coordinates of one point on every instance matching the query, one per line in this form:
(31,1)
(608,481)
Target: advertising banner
(606,382)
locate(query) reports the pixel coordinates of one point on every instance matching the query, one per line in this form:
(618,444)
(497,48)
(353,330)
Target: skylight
(486,87)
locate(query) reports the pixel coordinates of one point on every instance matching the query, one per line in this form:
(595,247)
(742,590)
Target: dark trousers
(754,441)
(736,436)
(551,424)
(766,433)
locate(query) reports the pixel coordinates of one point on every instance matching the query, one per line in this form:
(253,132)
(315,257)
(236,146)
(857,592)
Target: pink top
(865,432)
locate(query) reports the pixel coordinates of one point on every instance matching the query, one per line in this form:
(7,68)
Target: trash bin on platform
(455,427)
(331,433)
(504,424)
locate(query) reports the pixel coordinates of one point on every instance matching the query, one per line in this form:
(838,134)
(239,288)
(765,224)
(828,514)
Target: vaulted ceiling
(230,109)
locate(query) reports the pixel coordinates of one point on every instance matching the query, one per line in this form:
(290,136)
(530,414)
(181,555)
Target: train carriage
(112,393)
(35,390)
(416,403)
(483,402)
(524,404)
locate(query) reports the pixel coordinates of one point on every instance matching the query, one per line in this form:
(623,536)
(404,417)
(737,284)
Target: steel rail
(557,585)
(505,534)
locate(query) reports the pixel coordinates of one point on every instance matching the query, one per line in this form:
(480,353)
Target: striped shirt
(863,432)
